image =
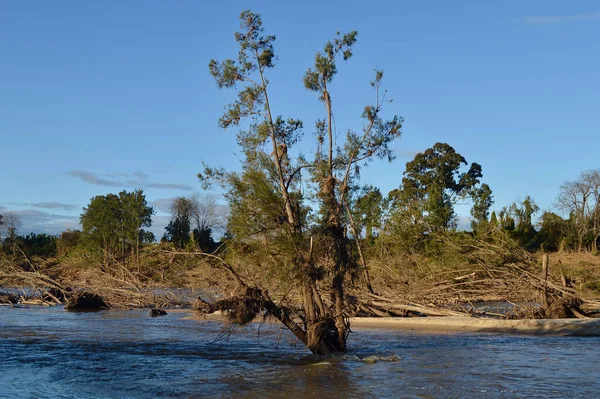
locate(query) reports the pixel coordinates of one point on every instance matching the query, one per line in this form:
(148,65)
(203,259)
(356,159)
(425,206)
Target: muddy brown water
(53,353)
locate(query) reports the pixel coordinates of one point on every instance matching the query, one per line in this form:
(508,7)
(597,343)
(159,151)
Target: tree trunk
(325,330)
(361,255)
(336,328)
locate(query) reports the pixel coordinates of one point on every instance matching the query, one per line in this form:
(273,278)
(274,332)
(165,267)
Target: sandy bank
(566,327)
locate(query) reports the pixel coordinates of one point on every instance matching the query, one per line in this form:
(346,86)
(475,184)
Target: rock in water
(86,301)
(157,312)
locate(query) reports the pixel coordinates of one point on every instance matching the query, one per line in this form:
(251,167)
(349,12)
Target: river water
(53,353)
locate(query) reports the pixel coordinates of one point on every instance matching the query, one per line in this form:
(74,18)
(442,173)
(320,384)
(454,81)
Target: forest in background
(409,237)
(415,219)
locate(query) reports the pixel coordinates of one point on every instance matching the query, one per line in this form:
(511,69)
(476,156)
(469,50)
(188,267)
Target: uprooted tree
(303,231)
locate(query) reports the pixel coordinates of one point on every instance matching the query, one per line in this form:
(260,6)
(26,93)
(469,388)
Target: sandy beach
(562,327)
(565,327)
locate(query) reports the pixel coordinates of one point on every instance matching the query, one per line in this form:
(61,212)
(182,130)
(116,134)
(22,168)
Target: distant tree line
(115,226)
(11,242)
(421,211)
(194,218)
(414,217)
(580,230)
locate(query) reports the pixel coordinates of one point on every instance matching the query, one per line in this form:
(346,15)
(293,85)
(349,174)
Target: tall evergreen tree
(114,223)
(434,181)
(266,199)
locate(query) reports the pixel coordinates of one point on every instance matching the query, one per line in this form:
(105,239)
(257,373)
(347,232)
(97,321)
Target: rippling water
(52,353)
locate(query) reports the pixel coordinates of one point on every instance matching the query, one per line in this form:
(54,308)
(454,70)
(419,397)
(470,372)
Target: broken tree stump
(86,301)
(157,312)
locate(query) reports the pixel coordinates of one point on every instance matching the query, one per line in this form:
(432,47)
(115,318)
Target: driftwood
(246,302)
(518,281)
(382,307)
(37,289)
(419,309)
(8,299)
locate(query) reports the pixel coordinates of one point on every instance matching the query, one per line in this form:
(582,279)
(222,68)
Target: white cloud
(37,221)
(121,180)
(54,205)
(163,204)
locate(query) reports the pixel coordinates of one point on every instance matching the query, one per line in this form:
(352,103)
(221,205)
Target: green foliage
(256,54)
(421,212)
(554,232)
(68,241)
(493,219)
(272,198)
(136,214)
(434,181)
(517,221)
(506,220)
(147,237)
(325,68)
(255,205)
(404,225)
(178,232)
(192,223)
(336,170)
(482,202)
(368,210)
(113,223)
(204,240)
(179,228)
(42,245)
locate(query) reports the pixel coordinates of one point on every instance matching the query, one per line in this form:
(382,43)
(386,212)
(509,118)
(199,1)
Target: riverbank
(555,327)
(559,327)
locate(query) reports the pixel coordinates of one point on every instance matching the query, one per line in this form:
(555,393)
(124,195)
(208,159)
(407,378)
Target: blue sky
(96,97)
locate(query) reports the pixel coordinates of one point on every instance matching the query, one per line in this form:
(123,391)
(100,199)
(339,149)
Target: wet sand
(559,327)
